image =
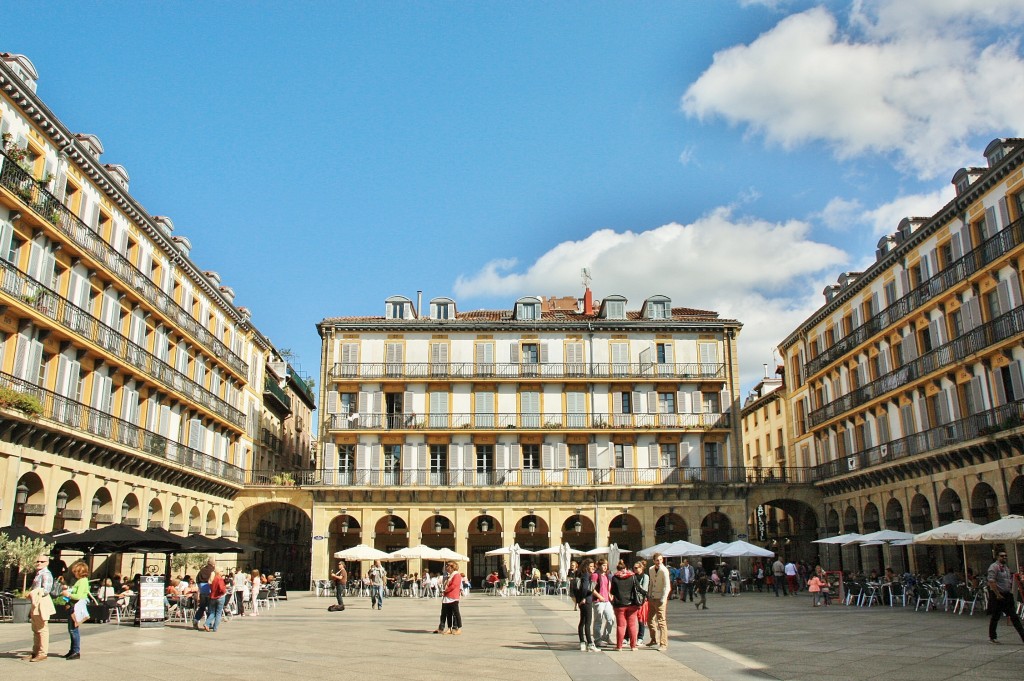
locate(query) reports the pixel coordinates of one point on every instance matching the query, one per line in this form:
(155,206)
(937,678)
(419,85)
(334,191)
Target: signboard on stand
(150,610)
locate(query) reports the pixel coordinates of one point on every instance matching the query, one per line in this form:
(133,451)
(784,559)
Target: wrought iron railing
(990,422)
(532,477)
(77,416)
(954,274)
(521,421)
(500,370)
(270,386)
(999,329)
(50,208)
(51,305)
(301,384)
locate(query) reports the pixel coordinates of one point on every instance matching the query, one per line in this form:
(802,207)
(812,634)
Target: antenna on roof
(585,274)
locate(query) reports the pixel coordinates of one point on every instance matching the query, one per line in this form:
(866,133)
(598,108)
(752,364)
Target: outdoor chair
(922,595)
(869,595)
(262,600)
(897,594)
(853,593)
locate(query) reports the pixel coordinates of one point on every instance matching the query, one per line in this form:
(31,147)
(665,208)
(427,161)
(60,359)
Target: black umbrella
(18,531)
(199,543)
(226,545)
(117,538)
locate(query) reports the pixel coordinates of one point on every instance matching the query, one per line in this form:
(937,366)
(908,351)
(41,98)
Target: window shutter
(616,402)
(724,402)
(592,455)
(855,318)
(501,456)
(883,426)
(1004,213)
(680,397)
(332,402)
(361,456)
(408,457)
(513,457)
(407,403)
(330,462)
(652,454)
(195,434)
(1016,380)
(956,246)
(876,307)
(456,451)
(1011,285)
(991,226)
(547,456)
(363,403)
(627,456)
(698,402)
(904,283)
(922,411)
(971,314)
(910,345)
(421,456)
(378,402)
(513,352)
(543,352)
(561,456)
(1000,391)
(652,402)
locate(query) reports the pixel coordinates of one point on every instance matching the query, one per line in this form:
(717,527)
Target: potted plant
(20,553)
(26,404)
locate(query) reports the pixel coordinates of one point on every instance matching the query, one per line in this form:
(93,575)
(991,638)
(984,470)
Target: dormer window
(528,309)
(613,307)
(398,307)
(442,308)
(658,307)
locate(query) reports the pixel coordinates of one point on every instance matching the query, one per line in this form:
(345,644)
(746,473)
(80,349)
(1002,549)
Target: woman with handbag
(643,582)
(583,595)
(625,597)
(78,597)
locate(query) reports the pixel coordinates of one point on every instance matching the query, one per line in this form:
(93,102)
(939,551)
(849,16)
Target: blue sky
(735,156)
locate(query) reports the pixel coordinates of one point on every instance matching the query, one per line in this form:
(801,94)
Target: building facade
(557,420)
(126,371)
(906,387)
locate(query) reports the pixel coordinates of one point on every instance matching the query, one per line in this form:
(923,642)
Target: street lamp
(391,525)
(124,510)
(437,527)
(484,525)
(577,526)
(62,503)
(95,512)
(20,499)
(344,526)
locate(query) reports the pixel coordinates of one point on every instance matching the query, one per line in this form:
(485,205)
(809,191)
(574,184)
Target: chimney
(419,304)
(588,302)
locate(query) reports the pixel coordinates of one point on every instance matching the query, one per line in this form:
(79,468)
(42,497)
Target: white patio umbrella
(651,550)
(950,533)
(602,551)
(448,554)
(713,549)
(362,552)
(507,551)
(613,556)
(550,551)
(683,548)
(423,552)
(515,564)
(742,549)
(565,555)
(883,537)
(1007,529)
(839,538)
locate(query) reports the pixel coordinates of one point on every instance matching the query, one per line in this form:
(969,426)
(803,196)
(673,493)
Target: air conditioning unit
(851,463)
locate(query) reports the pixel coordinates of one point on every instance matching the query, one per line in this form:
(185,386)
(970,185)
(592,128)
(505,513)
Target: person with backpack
(626,599)
(582,593)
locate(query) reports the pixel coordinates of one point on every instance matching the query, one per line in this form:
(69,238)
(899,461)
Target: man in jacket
(340,577)
(1000,581)
(42,609)
(203,580)
(657,598)
(688,577)
(779,576)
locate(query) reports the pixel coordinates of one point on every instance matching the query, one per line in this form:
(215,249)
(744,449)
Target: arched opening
(715,527)
(949,507)
(283,535)
(155,515)
(532,533)
(438,532)
(851,554)
(344,532)
(832,523)
(625,531)
(898,556)
(101,508)
(225,525)
(894,515)
(176,519)
(872,556)
(984,505)
(195,521)
(871,519)
(790,528)
(1015,498)
(671,527)
(30,503)
(925,557)
(484,535)
(211,523)
(68,504)
(578,531)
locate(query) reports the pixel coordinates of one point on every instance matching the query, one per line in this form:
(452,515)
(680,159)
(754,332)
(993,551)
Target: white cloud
(841,215)
(912,78)
(687,156)
(767,275)
(884,219)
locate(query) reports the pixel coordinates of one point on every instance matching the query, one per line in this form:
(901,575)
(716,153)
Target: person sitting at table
(106,591)
(493,579)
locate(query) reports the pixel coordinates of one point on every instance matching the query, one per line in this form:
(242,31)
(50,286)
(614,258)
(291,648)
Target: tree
(21,554)
(183,561)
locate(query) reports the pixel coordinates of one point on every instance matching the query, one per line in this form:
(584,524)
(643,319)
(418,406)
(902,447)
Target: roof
(678,314)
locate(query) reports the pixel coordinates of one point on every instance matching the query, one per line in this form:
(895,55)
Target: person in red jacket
(451,618)
(218,590)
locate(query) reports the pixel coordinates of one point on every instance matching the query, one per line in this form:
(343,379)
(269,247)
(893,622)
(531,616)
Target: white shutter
(652,402)
(547,456)
(592,455)
(1016,380)
(561,456)
(652,454)
(374,456)
(616,402)
(407,403)
(991,226)
(333,400)
(195,434)
(971,314)
(513,352)
(708,353)
(543,352)
(361,456)
(681,398)
(1000,391)
(698,402)
(1004,213)
(408,457)
(501,457)
(514,457)
(378,402)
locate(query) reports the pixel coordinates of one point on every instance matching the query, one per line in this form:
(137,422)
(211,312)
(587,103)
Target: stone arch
(32,512)
(531,532)
(130,511)
(225,523)
(671,527)
(579,532)
(176,518)
(850,522)
(872,522)
(101,508)
(485,534)
(283,536)
(70,495)
(390,533)
(195,520)
(715,527)
(438,531)
(789,523)
(950,507)
(984,504)
(211,523)
(1015,499)
(343,532)
(920,514)
(155,514)
(894,515)
(626,531)
(832,522)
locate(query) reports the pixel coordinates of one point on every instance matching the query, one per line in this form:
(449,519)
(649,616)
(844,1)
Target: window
(615,309)
(393,458)
(530,353)
(531,457)
(438,458)
(669,455)
(620,456)
(890,293)
(484,458)
(396,310)
(667,403)
(528,310)
(442,311)
(712,457)
(664,353)
(577,456)
(956,322)
(659,309)
(346,458)
(711,403)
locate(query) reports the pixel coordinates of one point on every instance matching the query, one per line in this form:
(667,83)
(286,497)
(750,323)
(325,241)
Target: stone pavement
(753,636)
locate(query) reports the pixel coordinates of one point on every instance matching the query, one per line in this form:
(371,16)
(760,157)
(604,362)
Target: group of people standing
(44,592)
(628,603)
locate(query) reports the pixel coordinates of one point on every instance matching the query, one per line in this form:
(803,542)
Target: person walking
(644,582)
(203,581)
(625,592)
(42,609)
(77,595)
(256,584)
(660,589)
(1000,584)
(604,615)
(378,577)
(688,577)
(583,595)
(218,591)
(814,585)
(791,578)
(240,584)
(451,592)
(340,579)
(779,576)
(702,586)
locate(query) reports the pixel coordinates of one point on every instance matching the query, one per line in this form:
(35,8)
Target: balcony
(273,391)
(50,209)
(532,477)
(514,370)
(67,414)
(301,385)
(48,303)
(999,329)
(520,421)
(986,423)
(956,273)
